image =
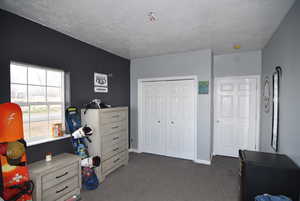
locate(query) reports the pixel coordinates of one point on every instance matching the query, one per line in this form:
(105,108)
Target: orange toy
(14,178)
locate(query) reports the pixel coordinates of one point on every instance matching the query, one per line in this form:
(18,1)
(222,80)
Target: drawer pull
(64,174)
(116,116)
(116,149)
(115,138)
(114,127)
(116,160)
(58,191)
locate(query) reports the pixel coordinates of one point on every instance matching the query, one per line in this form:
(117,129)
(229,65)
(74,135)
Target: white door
(168,118)
(180,111)
(154,101)
(235,115)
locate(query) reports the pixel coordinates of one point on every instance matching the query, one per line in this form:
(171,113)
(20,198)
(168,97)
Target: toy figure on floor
(14,178)
(79,137)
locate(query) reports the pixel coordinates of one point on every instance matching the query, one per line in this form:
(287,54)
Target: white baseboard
(134,150)
(205,162)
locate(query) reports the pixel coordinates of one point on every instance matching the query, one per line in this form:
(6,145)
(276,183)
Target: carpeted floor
(150,177)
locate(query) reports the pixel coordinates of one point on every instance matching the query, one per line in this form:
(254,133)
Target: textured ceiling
(123,28)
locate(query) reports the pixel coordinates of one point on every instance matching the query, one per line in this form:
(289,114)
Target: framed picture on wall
(100,80)
(100,89)
(203,87)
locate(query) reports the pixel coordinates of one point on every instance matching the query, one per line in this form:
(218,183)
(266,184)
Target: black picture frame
(276,78)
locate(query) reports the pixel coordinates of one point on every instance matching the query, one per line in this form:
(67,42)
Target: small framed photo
(203,87)
(100,89)
(100,80)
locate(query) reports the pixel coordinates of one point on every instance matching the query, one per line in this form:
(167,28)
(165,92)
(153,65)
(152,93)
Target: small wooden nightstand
(58,179)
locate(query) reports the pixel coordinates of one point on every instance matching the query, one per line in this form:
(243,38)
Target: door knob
(172,122)
(158,122)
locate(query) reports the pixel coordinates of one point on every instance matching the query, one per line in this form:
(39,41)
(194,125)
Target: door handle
(158,122)
(172,122)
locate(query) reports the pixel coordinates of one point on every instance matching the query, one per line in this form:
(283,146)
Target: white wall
(284,50)
(197,63)
(238,64)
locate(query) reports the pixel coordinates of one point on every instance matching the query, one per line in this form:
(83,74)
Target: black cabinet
(274,174)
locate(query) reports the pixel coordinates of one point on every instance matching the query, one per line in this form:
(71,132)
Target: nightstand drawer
(57,176)
(61,189)
(112,117)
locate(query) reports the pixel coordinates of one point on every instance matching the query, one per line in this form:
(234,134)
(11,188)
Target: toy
(14,178)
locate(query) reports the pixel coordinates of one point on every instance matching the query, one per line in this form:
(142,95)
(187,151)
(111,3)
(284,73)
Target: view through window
(40,93)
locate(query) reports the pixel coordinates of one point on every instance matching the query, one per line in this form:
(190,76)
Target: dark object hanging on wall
(275,111)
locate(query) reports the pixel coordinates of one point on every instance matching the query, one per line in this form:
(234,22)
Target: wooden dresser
(110,137)
(56,180)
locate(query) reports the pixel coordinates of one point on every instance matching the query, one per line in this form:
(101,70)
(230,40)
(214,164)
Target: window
(40,93)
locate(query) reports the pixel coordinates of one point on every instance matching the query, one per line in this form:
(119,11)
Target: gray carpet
(150,177)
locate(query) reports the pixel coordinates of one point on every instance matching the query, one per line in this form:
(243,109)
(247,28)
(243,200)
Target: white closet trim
(204,162)
(134,151)
(177,78)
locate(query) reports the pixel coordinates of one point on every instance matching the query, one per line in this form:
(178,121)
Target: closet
(168,114)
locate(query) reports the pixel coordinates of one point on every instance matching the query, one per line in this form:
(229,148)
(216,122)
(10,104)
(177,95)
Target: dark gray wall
(25,41)
(284,50)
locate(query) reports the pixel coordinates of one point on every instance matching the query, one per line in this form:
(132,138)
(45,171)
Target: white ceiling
(123,27)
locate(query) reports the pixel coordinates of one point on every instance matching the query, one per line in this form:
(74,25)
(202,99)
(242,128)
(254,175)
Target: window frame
(40,139)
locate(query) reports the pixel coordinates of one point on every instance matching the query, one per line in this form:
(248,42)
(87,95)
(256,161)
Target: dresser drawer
(114,161)
(114,127)
(109,140)
(59,175)
(60,190)
(114,149)
(111,117)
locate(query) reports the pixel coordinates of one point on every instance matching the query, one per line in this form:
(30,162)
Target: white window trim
(44,140)
(40,140)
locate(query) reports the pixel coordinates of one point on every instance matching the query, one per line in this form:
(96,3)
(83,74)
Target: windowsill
(50,139)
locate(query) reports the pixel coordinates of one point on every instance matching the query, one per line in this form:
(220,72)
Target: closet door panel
(188,118)
(180,119)
(153,104)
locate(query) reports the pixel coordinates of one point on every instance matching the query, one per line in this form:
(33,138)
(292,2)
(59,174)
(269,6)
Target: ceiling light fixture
(152,17)
(237,47)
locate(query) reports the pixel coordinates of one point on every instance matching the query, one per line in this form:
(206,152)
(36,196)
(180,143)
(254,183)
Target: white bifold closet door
(168,118)
(153,119)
